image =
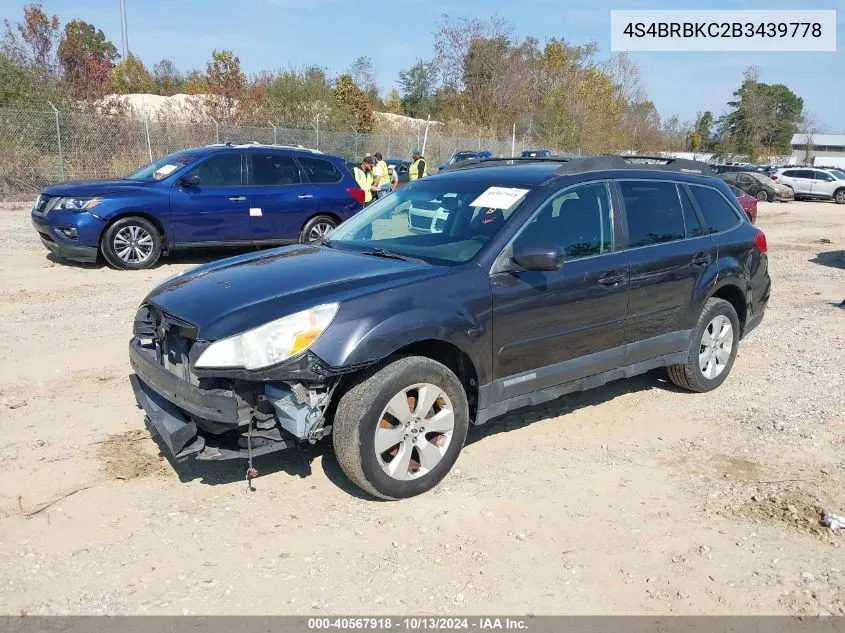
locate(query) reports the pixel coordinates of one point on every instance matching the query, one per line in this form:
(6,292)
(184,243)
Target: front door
(823,185)
(280,202)
(668,251)
(801,181)
(216,210)
(553,327)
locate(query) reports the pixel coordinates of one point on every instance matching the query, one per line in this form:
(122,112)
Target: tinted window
(729,177)
(820,175)
(691,222)
(274,169)
(578,220)
(654,212)
(803,173)
(790,173)
(718,213)
(319,170)
(745,179)
(223,170)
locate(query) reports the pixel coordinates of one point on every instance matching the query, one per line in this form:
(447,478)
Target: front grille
(171,338)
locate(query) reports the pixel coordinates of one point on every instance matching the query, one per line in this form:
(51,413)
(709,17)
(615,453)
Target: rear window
(654,212)
(320,171)
(719,214)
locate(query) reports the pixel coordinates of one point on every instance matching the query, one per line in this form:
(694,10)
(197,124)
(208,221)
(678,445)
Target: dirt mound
(129,455)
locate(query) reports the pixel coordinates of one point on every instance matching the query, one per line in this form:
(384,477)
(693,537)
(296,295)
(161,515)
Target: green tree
(417,84)
(700,136)
(168,80)
(225,81)
(394,103)
(86,57)
(131,76)
(352,100)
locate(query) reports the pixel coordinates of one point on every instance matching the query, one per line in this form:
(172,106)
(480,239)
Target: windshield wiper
(380,252)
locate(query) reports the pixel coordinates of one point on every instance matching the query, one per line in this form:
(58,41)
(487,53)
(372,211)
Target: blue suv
(219,195)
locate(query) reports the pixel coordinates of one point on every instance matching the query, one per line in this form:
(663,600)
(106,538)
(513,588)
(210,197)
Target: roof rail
(508,160)
(598,163)
(299,148)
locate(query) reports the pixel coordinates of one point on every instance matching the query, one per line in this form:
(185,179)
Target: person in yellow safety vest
(364,177)
(417,169)
(382,175)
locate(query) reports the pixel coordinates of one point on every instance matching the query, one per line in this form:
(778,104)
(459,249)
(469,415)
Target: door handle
(237,198)
(305,196)
(702,259)
(612,278)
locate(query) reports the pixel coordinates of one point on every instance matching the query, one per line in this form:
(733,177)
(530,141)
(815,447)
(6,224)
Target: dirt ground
(635,498)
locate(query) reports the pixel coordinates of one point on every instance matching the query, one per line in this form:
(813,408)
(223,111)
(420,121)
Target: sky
(277,34)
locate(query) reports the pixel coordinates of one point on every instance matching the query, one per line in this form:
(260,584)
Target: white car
(430,216)
(810,182)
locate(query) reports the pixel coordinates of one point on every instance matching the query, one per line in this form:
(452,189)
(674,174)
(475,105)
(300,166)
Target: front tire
(839,196)
(400,428)
(132,243)
(762,196)
(712,349)
(316,229)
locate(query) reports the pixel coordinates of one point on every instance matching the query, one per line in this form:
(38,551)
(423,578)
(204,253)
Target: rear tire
(712,349)
(762,196)
(839,196)
(131,243)
(392,455)
(316,229)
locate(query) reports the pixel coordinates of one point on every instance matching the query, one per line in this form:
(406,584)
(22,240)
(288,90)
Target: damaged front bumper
(231,421)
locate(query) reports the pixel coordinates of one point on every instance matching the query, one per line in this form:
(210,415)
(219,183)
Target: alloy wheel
(319,231)
(133,244)
(714,351)
(414,431)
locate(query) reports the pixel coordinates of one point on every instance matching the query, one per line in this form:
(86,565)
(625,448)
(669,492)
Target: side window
(789,173)
(719,214)
(274,169)
(730,176)
(803,173)
(320,171)
(654,212)
(821,175)
(223,170)
(579,221)
(691,223)
(745,179)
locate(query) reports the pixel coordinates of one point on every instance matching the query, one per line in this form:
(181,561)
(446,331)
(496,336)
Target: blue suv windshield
(163,167)
(443,222)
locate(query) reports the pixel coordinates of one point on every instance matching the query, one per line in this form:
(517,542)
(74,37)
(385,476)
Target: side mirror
(537,256)
(191,180)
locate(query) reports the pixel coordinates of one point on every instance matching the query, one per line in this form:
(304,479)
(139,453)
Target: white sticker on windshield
(499,198)
(163,171)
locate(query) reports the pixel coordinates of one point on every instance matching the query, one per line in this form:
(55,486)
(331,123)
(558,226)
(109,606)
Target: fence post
(147,134)
(388,144)
(216,130)
(275,137)
(317,131)
(59,143)
(356,142)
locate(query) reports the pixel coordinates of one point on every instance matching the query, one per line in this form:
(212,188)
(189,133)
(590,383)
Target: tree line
(480,80)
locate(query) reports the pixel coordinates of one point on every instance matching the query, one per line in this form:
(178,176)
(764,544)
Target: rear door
(669,252)
(552,327)
(330,195)
(216,211)
(747,184)
(823,184)
(280,200)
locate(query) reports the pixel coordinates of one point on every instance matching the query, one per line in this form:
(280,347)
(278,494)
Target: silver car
(811,182)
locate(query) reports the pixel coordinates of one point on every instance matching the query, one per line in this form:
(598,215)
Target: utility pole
(124,30)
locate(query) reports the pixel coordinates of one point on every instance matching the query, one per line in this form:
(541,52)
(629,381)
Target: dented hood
(232,295)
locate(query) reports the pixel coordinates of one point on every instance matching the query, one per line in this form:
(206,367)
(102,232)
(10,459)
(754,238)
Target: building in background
(822,149)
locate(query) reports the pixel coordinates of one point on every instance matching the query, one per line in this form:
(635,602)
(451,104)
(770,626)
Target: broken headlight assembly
(270,343)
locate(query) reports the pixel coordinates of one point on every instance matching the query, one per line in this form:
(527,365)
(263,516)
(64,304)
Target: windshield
(162,168)
(760,177)
(438,221)
(460,157)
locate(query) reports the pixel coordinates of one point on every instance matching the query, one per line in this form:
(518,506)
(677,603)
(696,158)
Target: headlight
(270,343)
(76,204)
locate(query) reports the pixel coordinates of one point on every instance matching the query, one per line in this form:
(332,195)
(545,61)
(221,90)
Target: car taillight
(760,242)
(773,177)
(356,193)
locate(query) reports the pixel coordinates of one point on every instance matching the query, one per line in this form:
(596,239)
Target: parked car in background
(748,203)
(545,279)
(819,184)
(536,153)
(758,185)
(401,167)
(218,195)
(459,157)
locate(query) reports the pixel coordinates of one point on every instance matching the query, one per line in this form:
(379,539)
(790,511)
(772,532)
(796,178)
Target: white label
(723,30)
(255,213)
(499,198)
(164,170)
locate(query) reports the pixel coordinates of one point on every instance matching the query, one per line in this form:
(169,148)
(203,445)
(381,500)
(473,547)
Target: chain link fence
(39,147)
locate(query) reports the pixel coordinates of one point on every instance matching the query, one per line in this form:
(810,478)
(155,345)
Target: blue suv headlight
(76,204)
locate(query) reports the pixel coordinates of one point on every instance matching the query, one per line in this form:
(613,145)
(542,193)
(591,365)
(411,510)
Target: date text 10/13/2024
(419,624)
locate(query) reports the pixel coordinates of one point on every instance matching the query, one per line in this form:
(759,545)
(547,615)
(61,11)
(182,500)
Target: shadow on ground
(834,259)
(297,462)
